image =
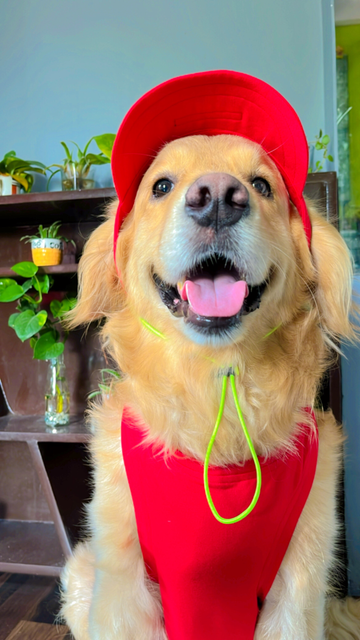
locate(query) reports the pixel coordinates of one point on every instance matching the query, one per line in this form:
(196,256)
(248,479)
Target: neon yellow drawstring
(271,331)
(251,506)
(152,329)
(252,450)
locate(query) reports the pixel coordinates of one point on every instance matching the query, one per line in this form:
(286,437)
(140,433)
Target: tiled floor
(28,608)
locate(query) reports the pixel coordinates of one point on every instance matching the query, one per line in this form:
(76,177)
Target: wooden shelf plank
(25,546)
(55,196)
(25,428)
(68,206)
(7,272)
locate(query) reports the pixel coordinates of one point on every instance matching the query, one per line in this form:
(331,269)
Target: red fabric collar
(210,103)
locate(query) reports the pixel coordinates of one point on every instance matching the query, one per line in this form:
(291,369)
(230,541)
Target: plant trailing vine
(106,383)
(321,143)
(31,322)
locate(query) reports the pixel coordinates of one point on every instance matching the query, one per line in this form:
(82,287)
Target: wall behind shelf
(71,70)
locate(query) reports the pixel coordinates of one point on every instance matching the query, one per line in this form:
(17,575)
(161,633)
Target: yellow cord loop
(251,506)
(229,373)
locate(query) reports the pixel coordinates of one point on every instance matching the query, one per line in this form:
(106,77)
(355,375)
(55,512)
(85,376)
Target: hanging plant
(30,322)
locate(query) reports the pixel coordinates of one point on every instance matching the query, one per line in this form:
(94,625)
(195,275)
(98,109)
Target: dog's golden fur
(173,384)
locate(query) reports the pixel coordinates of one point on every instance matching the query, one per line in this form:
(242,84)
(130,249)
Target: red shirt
(214,577)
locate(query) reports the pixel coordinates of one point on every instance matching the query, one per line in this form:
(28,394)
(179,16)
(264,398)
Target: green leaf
(93,394)
(87,146)
(17,166)
(80,154)
(22,179)
(318,146)
(105,142)
(46,347)
(55,306)
(42,283)
(30,180)
(68,304)
(93,158)
(330,158)
(111,372)
(52,175)
(25,269)
(27,285)
(26,304)
(12,319)
(68,154)
(58,309)
(27,324)
(33,342)
(104,387)
(6,282)
(13,292)
(36,170)
(28,238)
(320,133)
(325,139)
(53,229)
(34,163)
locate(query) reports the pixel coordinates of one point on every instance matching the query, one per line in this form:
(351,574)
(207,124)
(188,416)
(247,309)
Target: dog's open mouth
(213,296)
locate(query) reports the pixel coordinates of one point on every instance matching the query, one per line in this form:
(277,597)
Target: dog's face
(213,240)
(213,254)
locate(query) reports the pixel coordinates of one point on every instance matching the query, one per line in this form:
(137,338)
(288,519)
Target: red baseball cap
(210,103)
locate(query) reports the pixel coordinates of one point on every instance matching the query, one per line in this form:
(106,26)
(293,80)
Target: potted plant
(76,171)
(43,329)
(18,173)
(47,245)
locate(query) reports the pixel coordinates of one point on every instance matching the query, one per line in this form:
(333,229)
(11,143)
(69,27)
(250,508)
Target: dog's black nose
(217,200)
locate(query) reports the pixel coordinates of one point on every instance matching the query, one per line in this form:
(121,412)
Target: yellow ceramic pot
(47,252)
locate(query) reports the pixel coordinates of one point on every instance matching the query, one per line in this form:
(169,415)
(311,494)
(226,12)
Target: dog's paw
(77,582)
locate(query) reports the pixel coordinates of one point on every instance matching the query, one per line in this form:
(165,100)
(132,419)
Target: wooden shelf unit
(35,546)
(44,474)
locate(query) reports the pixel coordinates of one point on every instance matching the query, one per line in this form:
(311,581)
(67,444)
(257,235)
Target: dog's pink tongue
(220,297)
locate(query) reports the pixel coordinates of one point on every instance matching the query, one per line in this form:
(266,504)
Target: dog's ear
(98,281)
(333,276)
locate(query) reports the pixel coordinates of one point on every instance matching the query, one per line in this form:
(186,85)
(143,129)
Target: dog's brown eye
(262,186)
(162,187)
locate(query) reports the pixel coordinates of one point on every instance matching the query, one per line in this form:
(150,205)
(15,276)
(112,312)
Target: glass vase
(74,177)
(57,397)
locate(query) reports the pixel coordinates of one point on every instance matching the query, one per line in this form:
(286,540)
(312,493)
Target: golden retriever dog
(210,208)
